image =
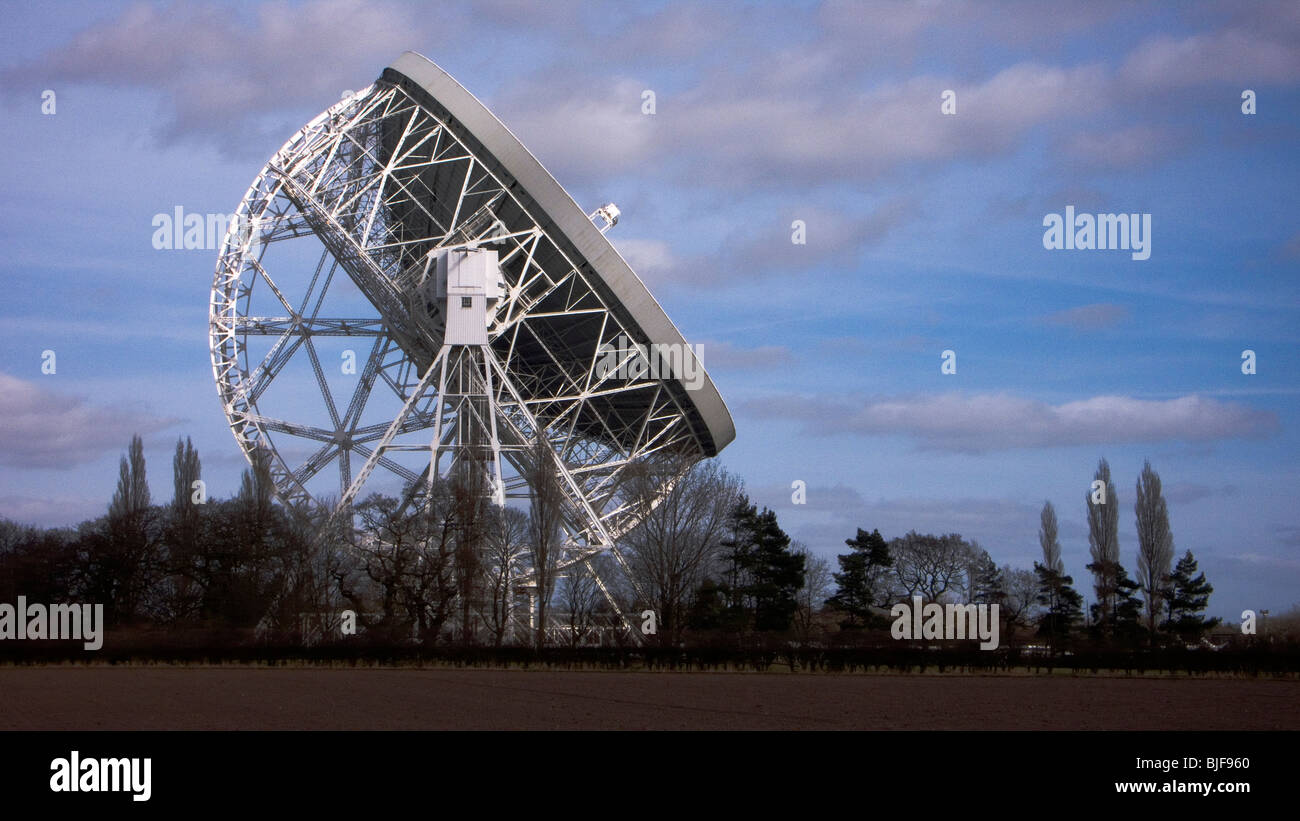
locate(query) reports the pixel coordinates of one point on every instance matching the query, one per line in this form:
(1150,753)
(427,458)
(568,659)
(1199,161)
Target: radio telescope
(406,292)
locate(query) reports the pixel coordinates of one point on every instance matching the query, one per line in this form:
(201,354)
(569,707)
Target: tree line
(440,565)
(1164,604)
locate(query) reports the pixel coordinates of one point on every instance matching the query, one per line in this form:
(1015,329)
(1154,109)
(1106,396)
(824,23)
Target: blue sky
(924,234)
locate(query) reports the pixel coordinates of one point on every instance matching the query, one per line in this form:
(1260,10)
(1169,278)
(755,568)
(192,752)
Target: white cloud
(977,423)
(731,128)
(1234,57)
(761,246)
(49,511)
(1125,148)
(647,257)
(1007,528)
(45,429)
(220,69)
(591,130)
(721,122)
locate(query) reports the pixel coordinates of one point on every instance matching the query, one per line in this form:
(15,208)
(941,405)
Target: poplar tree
(1155,542)
(1103,545)
(1047,539)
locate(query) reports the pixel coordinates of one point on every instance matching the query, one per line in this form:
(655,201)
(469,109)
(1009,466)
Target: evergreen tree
(986,582)
(1187,594)
(860,579)
(1063,604)
(735,612)
(1117,614)
(766,574)
(776,574)
(1128,607)
(708,610)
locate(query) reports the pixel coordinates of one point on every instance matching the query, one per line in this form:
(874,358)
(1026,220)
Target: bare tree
(408,557)
(317,540)
(1155,542)
(816,587)
(545,528)
(930,566)
(506,543)
(582,598)
(470,496)
(681,531)
(1021,589)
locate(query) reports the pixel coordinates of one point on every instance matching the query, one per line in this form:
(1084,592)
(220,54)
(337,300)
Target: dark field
(247,698)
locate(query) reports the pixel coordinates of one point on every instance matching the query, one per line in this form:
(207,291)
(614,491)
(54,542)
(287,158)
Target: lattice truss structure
(331,256)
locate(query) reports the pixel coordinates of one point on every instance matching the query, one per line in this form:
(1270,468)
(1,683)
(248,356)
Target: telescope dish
(406,290)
